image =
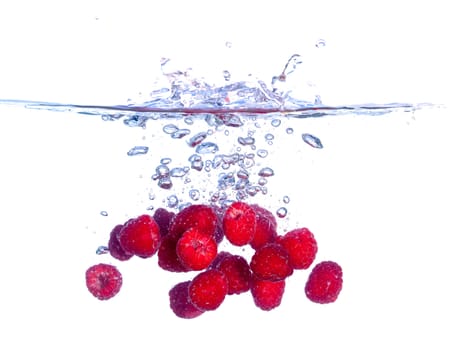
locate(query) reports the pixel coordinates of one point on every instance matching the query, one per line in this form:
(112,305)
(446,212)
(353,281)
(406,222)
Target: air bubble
(170,128)
(165,161)
(189,121)
(138,150)
(172,201)
(207,147)
(194,195)
(289,131)
(276,122)
(269,137)
(102,250)
(266,172)
(320,43)
(229,44)
(226,75)
(179,172)
(103,213)
(197,139)
(180,133)
(311,140)
(246,141)
(242,174)
(281,212)
(165,183)
(262,181)
(286,199)
(162,170)
(262,153)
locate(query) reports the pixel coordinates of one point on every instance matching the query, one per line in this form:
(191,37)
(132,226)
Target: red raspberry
(140,236)
(267,295)
(324,283)
(163,218)
(208,289)
(237,272)
(115,249)
(265,229)
(301,246)
(271,262)
(218,259)
(180,303)
(167,256)
(200,216)
(195,249)
(239,223)
(103,281)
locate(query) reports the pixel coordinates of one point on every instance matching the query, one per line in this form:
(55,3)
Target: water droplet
(246,141)
(197,139)
(180,133)
(226,75)
(281,212)
(276,122)
(103,213)
(262,153)
(170,128)
(102,250)
(207,147)
(320,43)
(266,172)
(289,131)
(172,201)
(194,195)
(311,140)
(286,199)
(138,150)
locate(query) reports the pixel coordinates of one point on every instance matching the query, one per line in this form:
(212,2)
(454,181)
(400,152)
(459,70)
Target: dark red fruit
(163,217)
(115,249)
(237,272)
(265,229)
(140,236)
(180,303)
(267,295)
(199,216)
(271,262)
(239,223)
(324,283)
(103,281)
(301,246)
(196,250)
(168,258)
(208,290)
(220,256)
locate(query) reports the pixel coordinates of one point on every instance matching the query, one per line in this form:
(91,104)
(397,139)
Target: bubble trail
(311,140)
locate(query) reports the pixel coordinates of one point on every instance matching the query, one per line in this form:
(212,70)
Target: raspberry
(200,216)
(180,303)
(239,223)
(265,229)
(163,218)
(103,281)
(267,295)
(208,290)
(324,283)
(167,257)
(195,249)
(301,246)
(140,236)
(237,272)
(218,259)
(271,262)
(115,249)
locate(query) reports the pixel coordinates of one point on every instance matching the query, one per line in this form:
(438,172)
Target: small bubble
(165,161)
(180,133)
(289,131)
(179,172)
(320,43)
(162,170)
(311,140)
(194,195)
(276,122)
(246,141)
(242,174)
(170,128)
(197,139)
(226,75)
(266,172)
(262,153)
(103,213)
(262,181)
(286,199)
(165,183)
(229,44)
(150,208)
(269,137)
(207,147)
(281,212)
(138,150)
(189,121)
(172,201)
(102,250)
(151,195)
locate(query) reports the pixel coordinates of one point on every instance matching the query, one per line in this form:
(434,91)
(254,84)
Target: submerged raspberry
(103,281)
(324,283)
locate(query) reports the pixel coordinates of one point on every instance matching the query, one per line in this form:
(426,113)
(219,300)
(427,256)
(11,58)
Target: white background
(382,197)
